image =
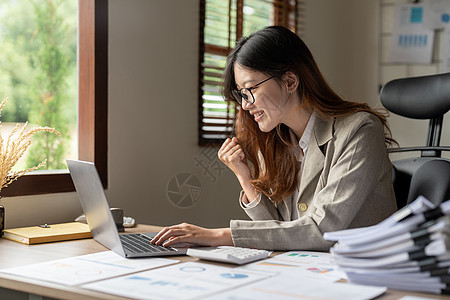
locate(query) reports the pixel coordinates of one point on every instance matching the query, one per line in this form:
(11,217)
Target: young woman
(308,161)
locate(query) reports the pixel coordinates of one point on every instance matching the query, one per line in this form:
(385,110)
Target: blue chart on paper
(138,278)
(233,275)
(445,18)
(412,40)
(416,14)
(192,269)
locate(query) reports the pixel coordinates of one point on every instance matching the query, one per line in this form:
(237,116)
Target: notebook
(48,233)
(101,223)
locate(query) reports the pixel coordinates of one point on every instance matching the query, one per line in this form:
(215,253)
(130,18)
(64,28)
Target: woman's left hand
(187,233)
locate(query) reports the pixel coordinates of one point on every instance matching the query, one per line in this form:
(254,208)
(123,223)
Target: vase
(2,219)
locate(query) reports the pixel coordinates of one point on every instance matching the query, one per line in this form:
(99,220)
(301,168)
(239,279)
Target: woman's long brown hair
(274,51)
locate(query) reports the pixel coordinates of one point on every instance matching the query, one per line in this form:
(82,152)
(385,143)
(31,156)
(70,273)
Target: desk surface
(13,254)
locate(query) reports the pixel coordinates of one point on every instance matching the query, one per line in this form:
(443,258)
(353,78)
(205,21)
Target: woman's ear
(292,81)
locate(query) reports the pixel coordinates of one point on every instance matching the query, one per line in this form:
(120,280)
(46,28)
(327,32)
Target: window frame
(92,105)
(281,16)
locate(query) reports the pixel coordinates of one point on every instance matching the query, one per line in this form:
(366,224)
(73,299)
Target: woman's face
(270,97)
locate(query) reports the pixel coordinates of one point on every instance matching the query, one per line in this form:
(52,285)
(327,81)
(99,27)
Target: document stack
(408,251)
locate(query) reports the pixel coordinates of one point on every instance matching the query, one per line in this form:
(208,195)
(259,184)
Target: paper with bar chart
(288,287)
(189,280)
(411,42)
(308,264)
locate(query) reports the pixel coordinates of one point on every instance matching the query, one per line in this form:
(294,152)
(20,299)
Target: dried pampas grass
(13,148)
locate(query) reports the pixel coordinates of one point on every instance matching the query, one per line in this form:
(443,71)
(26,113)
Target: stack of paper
(408,251)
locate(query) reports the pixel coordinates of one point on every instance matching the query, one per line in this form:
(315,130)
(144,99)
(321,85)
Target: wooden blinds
(222,23)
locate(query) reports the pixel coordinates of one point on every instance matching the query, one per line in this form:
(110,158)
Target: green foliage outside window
(38,71)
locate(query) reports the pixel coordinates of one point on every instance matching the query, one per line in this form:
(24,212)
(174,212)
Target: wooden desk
(13,254)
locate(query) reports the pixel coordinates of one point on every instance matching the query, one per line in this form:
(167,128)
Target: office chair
(424,97)
(431,180)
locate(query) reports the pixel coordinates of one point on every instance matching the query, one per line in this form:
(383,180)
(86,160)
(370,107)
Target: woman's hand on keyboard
(187,233)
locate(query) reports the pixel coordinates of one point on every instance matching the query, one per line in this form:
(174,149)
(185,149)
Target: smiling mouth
(259,114)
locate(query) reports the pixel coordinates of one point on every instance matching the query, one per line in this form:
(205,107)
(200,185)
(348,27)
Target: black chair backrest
(424,97)
(431,180)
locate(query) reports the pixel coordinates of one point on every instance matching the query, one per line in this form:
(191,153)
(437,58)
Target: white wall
(153,96)
(41,209)
(153,73)
(342,36)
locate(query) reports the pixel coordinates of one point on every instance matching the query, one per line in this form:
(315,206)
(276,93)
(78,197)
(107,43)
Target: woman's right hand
(232,155)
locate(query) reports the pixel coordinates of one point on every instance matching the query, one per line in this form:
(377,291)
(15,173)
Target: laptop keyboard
(140,243)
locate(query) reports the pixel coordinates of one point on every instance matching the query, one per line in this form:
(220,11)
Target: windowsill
(47,172)
(40,182)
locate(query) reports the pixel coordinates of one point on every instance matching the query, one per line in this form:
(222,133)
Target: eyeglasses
(246,93)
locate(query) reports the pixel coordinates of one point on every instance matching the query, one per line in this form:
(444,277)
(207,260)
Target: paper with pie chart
(311,264)
(290,287)
(188,280)
(86,268)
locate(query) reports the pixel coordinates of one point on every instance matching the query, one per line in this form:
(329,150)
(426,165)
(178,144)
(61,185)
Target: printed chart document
(307,264)
(436,14)
(446,50)
(86,268)
(285,286)
(411,41)
(189,280)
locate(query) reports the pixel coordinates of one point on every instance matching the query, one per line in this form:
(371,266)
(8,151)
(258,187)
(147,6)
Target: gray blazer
(346,183)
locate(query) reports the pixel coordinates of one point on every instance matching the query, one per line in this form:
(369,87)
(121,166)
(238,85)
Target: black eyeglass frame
(238,95)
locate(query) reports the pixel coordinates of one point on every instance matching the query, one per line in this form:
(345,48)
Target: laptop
(101,223)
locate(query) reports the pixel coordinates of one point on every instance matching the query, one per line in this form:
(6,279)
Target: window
(38,66)
(92,103)
(222,23)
